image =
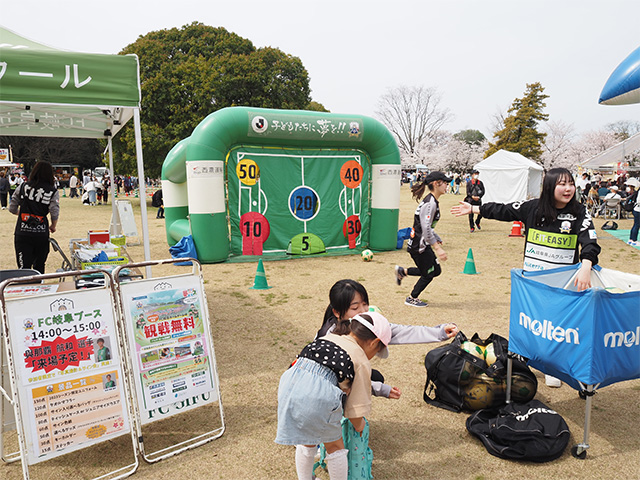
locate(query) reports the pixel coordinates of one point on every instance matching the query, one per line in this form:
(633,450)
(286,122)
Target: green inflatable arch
(198,180)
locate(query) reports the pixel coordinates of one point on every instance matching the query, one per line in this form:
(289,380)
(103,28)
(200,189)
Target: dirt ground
(258,332)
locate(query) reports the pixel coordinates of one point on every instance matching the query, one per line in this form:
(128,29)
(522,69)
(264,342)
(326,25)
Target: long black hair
(547,210)
(42,173)
(340,298)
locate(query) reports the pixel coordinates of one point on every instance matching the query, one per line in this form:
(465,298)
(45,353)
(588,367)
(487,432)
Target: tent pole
(143,191)
(114,228)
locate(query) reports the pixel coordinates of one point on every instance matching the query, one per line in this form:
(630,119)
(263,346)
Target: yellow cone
(260,282)
(470,265)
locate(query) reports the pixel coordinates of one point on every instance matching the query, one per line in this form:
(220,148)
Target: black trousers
(478,218)
(31,251)
(428,268)
(3,198)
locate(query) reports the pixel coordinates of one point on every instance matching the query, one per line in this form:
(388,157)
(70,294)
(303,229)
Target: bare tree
(497,119)
(624,129)
(413,115)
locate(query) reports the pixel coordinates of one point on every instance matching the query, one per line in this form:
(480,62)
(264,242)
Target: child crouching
(310,395)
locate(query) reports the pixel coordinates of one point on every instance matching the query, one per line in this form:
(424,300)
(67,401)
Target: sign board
(68,371)
(126,219)
(170,345)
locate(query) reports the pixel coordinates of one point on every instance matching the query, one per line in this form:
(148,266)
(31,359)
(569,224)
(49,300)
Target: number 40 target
(351,174)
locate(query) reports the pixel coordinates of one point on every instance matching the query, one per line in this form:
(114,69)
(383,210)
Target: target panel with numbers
(276,194)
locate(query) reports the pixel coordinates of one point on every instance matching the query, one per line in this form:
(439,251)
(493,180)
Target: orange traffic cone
(516,229)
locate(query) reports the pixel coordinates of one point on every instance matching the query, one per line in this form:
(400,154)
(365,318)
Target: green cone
(470,265)
(260,282)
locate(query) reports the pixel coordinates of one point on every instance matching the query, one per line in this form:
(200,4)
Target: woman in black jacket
(32,201)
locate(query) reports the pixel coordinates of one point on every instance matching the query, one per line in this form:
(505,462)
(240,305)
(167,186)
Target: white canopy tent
(46,92)
(509,177)
(615,154)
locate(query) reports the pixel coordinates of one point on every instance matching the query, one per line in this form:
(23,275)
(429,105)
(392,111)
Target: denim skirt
(309,405)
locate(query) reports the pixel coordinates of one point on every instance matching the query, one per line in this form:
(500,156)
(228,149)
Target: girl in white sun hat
(311,391)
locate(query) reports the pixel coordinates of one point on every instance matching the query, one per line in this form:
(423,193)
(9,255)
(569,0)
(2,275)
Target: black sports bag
(471,374)
(530,431)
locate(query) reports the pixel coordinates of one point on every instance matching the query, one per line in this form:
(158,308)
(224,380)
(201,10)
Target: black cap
(475,171)
(433,176)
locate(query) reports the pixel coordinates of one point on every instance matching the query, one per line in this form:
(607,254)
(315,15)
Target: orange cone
(516,229)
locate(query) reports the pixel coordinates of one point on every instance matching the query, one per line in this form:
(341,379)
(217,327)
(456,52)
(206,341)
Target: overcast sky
(479,54)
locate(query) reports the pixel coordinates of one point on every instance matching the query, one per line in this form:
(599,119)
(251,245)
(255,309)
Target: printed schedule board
(169,342)
(297,200)
(68,371)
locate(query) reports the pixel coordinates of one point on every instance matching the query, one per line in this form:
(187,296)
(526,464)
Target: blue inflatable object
(623,86)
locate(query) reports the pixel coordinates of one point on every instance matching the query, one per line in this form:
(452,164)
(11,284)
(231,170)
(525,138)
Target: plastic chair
(593,202)
(18,272)
(612,206)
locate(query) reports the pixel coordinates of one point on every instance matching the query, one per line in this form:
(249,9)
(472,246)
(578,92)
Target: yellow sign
(248,171)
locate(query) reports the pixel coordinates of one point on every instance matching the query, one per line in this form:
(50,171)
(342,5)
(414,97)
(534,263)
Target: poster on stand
(68,371)
(167,327)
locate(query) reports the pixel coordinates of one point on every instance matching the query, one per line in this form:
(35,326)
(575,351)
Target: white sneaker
(633,244)
(552,381)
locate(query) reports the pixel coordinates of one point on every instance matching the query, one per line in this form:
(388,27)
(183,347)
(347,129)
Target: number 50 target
(248,171)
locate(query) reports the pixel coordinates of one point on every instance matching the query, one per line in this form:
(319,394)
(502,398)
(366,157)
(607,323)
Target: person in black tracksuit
(475,192)
(32,201)
(559,229)
(425,244)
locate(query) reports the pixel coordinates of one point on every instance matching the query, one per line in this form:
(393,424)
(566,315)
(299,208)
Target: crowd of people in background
(600,195)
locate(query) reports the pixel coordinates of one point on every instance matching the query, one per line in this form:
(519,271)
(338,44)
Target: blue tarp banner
(591,337)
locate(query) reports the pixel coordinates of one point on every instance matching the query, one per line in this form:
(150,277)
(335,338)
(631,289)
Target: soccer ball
(490,355)
(367,255)
(473,348)
(478,395)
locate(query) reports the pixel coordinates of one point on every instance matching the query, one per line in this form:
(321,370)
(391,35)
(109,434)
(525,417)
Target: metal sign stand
(23,398)
(142,305)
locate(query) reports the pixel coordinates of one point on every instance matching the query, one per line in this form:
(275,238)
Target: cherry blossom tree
(557,150)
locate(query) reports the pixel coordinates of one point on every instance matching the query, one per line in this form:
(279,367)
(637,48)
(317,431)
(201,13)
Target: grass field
(258,332)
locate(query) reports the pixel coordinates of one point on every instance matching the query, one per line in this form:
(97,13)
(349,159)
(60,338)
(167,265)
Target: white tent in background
(615,154)
(509,177)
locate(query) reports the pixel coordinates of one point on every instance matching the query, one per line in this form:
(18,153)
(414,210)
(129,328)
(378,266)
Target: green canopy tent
(45,92)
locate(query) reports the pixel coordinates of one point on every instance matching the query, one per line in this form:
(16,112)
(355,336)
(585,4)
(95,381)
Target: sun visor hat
(380,328)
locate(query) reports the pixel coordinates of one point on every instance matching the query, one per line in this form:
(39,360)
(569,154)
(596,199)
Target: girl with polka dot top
(312,390)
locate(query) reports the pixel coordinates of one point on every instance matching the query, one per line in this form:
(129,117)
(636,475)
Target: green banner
(49,76)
